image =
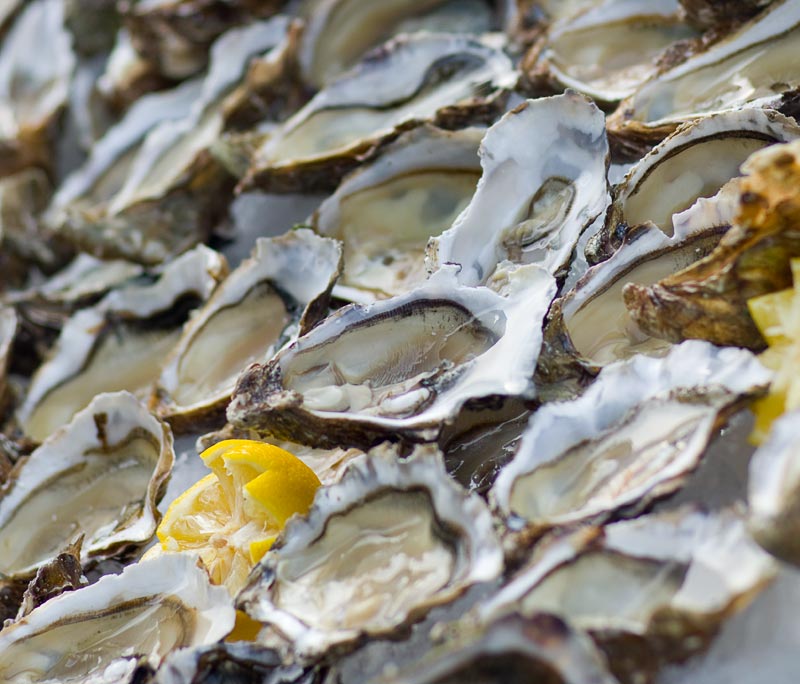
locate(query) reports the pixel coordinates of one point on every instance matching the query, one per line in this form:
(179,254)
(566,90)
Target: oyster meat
(99,477)
(386,211)
(97,633)
(402,367)
(444,79)
(395,538)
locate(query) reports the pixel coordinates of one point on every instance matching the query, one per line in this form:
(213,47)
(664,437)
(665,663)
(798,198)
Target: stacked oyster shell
(507,334)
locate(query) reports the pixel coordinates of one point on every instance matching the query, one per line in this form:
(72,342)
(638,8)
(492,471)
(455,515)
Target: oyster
(386,211)
(762,53)
(339,32)
(710,13)
(173,191)
(608,50)
(36,63)
(448,80)
(271,299)
(533,201)
(542,648)
(708,300)
(403,367)
(396,537)
(774,490)
(56,576)
(176,35)
(96,633)
(697,161)
(668,582)
(634,435)
(101,476)
(119,343)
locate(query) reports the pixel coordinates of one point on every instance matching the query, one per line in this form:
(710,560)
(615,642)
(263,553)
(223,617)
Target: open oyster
(101,476)
(339,32)
(36,63)
(774,490)
(762,53)
(119,343)
(649,591)
(533,201)
(269,300)
(386,211)
(153,188)
(175,35)
(98,633)
(445,79)
(402,367)
(697,161)
(634,435)
(542,648)
(609,50)
(708,299)
(395,537)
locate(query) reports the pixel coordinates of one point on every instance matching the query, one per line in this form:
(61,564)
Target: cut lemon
(777,316)
(232,516)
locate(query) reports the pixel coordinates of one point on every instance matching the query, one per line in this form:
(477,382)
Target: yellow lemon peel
(232,516)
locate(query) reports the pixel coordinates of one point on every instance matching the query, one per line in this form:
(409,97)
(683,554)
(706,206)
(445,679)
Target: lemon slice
(232,516)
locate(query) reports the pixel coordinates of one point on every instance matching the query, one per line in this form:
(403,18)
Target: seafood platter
(399,342)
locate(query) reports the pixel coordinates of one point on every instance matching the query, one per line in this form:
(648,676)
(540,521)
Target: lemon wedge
(777,316)
(232,516)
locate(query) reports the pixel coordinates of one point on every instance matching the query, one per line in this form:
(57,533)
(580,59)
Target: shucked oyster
(609,50)
(446,79)
(635,434)
(401,367)
(533,200)
(271,299)
(395,538)
(649,591)
(152,189)
(386,211)
(339,32)
(763,54)
(120,343)
(100,632)
(101,477)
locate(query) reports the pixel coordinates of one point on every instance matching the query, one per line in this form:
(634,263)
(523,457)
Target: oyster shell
(101,476)
(403,367)
(119,343)
(8,330)
(396,537)
(444,79)
(36,63)
(533,201)
(175,35)
(608,50)
(386,211)
(762,53)
(269,300)
(634,435)
(697,161)
(542,648)
(339,32)
(773,490)
(709,13)
(174,191)
(708,300)
(668,582)
(95,633)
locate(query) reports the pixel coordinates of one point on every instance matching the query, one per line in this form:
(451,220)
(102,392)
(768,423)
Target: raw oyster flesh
(480,313)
